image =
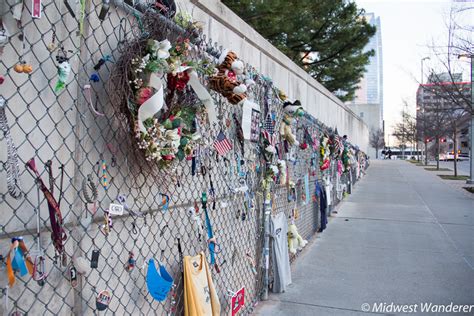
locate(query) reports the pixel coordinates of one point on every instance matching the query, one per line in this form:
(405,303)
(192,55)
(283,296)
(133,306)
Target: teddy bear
(225,81)
(295,241)
(290,110)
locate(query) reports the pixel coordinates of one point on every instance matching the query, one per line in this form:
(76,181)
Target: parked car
(449,155)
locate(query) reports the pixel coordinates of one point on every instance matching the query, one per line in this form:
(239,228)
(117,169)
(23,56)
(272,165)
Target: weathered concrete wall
(226,28)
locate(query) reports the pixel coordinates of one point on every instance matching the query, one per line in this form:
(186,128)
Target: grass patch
(413,161)
(440,169)
(469,189)
(450,177)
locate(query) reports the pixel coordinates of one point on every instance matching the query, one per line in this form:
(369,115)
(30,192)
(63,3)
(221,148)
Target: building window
(361,114)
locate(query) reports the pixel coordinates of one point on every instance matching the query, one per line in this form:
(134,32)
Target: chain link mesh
(60,127)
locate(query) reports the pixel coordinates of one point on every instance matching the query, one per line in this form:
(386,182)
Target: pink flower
(143,94)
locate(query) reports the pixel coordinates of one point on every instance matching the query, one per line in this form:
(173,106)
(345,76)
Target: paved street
(403,236)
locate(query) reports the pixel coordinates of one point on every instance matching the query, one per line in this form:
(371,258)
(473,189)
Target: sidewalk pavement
(403,236)
(457,184)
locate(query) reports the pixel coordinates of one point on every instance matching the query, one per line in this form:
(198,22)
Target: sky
(408,27)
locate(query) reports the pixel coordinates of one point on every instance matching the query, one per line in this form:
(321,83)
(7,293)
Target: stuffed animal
(294,109)
(285,130)
(291,111)
(225,81)
(295,241)
(282,170)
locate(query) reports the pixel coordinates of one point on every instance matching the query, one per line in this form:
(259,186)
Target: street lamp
(423,110)
(471,147)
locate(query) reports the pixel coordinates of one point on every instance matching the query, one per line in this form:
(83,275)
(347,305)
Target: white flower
(163,48)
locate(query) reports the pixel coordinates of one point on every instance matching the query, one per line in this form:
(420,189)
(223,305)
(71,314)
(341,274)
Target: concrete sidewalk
(403,236)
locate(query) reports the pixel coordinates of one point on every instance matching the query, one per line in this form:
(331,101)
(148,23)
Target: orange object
(18,68)
(28,261)
(27,68)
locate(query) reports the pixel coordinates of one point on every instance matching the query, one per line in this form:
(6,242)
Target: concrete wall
(224,27)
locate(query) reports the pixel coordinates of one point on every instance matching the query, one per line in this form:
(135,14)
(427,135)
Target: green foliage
(325,37)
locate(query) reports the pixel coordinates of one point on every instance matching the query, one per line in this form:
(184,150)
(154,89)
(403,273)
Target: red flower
(144,94)
(303,146)
(179,81)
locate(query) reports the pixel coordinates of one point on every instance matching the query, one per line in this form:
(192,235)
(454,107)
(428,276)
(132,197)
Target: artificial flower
(143,94)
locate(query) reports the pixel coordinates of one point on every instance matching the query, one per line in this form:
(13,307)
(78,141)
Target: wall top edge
(227,17)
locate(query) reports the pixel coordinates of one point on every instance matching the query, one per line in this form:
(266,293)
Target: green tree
(325,37)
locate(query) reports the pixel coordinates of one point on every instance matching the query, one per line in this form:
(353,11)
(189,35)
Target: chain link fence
(73,147)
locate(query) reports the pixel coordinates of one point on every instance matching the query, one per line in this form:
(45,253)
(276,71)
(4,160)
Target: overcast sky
(408,26)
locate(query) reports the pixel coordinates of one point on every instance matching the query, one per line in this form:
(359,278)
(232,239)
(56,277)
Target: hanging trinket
(39,269)
(104,9)
(18,260)
(36,7)
(52,46)
(131,262)
(22,66)
(64,69)
(90,192)
(105,228)
(211,241)
(196,218)
(58,233)
(173,295)
(73,275)
(165,201)
(103,300)
(95,258)
(88,95)
(103,178)
(11,165)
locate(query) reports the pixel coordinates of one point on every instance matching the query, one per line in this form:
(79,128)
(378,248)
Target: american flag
(269,123)
(222,144)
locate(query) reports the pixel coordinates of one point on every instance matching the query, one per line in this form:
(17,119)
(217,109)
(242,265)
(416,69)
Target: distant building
(429,98)
(368,101)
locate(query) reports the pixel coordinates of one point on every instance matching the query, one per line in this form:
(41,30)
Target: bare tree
(431,124)
(377,140)
(405,131)
(446,76)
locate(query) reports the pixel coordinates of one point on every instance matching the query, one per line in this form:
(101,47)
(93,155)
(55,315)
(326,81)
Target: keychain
(95,258)
(103,178)
(64,69)
(22,66)
(39,270)
(73,275)
(52,46)
(131,262)
(194,213)
(105,228)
